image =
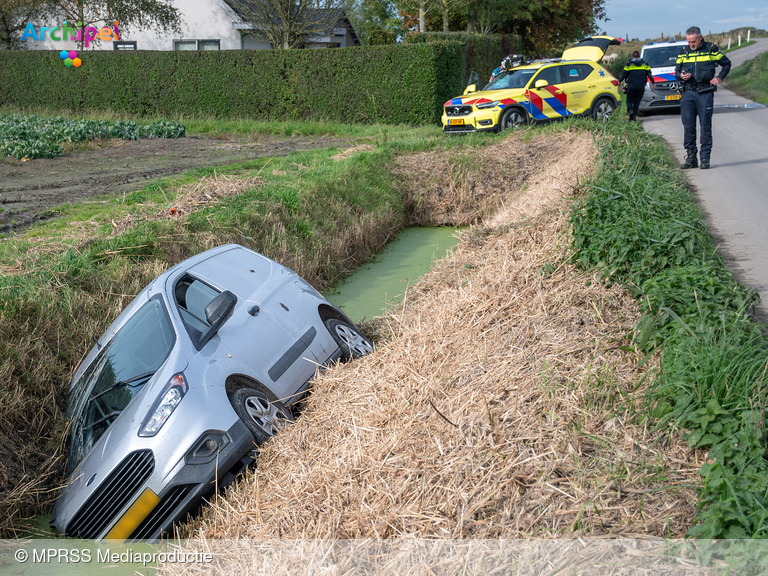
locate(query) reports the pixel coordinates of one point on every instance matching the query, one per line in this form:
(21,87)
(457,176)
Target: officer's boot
(691,161)
(704,163)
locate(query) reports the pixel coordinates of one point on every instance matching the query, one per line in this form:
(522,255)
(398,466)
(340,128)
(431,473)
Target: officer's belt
(701,89)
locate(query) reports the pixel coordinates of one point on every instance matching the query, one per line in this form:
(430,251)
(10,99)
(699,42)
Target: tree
(14,17)
(288,23)
(549,25)
(369,15)
(446,7)
(129,13)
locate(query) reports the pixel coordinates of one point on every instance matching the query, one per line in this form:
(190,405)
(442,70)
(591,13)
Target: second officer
(636,73)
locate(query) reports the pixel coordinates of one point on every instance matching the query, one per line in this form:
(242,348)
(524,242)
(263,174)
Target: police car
(662,57)
(539,91)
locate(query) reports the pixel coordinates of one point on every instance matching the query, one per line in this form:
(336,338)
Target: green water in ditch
(382,281)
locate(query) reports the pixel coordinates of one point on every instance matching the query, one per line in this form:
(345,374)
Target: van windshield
(662,56)
(117,374)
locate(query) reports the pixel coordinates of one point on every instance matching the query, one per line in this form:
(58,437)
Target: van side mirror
(216,313)
(540,84)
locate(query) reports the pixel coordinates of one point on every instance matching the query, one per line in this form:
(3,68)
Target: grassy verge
(640,226)
(751,79)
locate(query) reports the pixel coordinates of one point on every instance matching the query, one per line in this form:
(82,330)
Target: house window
(124,45)
(185,44)
(196,44)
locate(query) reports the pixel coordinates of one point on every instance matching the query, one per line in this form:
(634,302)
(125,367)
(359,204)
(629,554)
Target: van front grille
(100,510)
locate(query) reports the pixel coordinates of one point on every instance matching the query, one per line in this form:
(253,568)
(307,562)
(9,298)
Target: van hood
(592,48)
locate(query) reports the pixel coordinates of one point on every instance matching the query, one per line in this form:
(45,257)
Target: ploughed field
(31,190)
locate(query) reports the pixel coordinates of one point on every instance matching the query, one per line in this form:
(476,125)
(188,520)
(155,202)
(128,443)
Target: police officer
(636,72)
(696,66)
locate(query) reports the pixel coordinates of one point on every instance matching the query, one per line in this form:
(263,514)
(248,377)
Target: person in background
(501,68)
(636,73)
(507,64)
(696,66)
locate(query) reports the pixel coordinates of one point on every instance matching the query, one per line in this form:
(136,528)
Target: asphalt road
(733,194)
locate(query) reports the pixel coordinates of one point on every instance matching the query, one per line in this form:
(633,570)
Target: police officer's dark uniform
(636,73)
(698,97)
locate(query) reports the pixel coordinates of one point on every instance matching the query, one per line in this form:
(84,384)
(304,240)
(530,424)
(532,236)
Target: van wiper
(114,414)
(120,384)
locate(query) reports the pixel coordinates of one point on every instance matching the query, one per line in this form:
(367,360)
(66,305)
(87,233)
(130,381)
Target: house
(207,25)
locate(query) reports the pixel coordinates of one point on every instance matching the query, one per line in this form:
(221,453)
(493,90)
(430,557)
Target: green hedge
(380,37)
(389,84)
(481,54)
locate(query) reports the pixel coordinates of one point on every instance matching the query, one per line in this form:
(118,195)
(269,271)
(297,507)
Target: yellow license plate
(456,122)
(672,97)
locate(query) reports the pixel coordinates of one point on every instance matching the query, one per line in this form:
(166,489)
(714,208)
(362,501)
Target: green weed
(640,227)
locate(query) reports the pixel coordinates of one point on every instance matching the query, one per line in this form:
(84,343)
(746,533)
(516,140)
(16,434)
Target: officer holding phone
(696,66)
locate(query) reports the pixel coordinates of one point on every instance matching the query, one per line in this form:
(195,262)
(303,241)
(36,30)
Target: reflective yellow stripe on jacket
(699,57)
(631,68)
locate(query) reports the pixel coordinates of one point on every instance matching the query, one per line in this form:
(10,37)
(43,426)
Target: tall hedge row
(404,83)
(389,84)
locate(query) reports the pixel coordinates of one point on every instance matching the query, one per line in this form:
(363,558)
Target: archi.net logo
(64,33)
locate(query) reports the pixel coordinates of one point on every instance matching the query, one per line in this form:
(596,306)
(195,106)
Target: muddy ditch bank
(29,191)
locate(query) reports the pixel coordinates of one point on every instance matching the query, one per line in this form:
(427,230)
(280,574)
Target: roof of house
(330,15)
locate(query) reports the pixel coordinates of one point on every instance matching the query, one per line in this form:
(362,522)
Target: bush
(39,137)
(482,54)
(382,37)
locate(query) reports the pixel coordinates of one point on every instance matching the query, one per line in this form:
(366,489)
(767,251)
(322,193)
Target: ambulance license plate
(458,122)
(672,97)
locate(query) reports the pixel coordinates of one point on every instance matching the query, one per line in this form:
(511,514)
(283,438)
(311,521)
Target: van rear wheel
(261,413)
(602,110)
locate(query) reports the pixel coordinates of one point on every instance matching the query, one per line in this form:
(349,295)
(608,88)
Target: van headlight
(487,105)
(164,406)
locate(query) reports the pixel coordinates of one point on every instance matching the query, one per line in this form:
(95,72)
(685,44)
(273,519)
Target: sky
(644,19)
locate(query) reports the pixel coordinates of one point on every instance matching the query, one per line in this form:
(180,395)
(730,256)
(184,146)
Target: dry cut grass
(500,406)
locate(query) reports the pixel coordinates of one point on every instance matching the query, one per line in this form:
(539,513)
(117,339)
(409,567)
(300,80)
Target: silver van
(196,372)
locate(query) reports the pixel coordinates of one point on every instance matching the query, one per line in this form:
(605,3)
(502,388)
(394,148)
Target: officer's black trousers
(694,104)
(634,96)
